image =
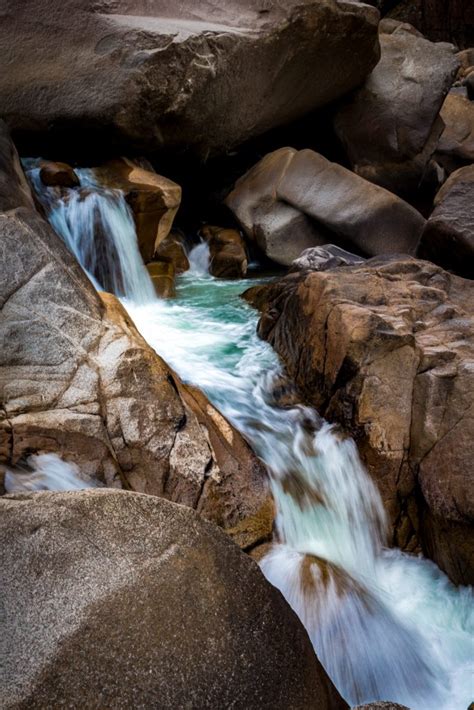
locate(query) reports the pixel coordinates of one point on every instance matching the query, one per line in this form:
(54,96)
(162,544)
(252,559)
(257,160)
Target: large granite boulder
(448,238)
(323,202)
(78,380)
(120,600)
(386,348)
(196,74)
(390,127)
(280,231)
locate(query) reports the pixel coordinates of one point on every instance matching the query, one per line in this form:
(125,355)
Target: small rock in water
(228,255)
(58,174)
(162,274)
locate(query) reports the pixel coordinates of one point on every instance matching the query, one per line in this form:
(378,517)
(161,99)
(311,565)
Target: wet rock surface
(385,348)
(154,200)
(126,600)
(77,379)
(228,255)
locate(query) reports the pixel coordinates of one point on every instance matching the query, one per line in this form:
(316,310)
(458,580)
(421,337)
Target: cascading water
(97,225)
(385,625)
(46,472)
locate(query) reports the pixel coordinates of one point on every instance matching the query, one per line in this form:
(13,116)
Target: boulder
(228,255)
(456,145)
(58,174)
(172,251)
(154,200)
(386,349)
(381,706)
(390,126)
(279,230)
(323,258)
(162,274)
(368,217)
(448,238)
(120,600)
(77,379)
(196,75)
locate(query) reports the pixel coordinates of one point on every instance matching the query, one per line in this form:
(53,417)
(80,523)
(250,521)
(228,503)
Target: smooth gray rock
(323,258)
(282,232)
(363,214)
(121,600)
(390,127)
(448,238)
(203,75)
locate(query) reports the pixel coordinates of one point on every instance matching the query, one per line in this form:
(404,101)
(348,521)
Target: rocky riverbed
(237,361)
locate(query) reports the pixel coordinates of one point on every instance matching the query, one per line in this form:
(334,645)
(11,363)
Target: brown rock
(228,255)
(162,274)
(381,706)
(386,349)
(58,174)
(456,145)
(171,250)
(77,379)
(448,238)
(154,200)
(119,600)
(390,127)
(195,75)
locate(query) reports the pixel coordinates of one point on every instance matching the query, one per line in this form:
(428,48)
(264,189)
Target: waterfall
(97,225)
(199,259)
(45,472)
(386,625)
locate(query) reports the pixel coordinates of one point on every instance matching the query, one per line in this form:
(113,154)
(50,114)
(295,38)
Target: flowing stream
(384,624)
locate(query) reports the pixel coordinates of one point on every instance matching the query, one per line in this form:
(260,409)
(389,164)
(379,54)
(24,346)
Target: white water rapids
(384,624)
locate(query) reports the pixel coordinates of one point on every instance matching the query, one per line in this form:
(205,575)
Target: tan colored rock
(387,349)
(456,145)
(228,255)
(154,200)
(279,230)
(162,274)
(171,250)
(55,174)
(78,380)
(390,127)
(120,600)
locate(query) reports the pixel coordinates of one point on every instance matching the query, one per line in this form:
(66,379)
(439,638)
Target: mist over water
(385,625)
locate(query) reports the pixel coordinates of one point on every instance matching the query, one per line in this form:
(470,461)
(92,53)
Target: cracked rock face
(173,74)
(78,380)
(171,616)
(386,348)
